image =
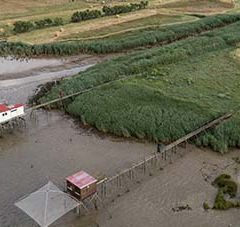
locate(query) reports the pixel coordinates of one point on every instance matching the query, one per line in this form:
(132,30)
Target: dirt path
(130,30)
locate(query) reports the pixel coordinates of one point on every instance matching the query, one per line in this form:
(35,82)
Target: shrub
(47,22)
(26,26)
(226,186)
(221,203)
(221,178)
(58,21)
(85,15)
(23,26)
(118,9)
(206,206)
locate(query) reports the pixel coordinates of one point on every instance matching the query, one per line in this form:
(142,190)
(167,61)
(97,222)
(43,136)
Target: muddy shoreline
(54,145)
(49,65)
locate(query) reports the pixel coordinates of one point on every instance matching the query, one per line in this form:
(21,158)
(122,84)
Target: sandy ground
(11,68)
(187,181)
(237,53)
(19,82)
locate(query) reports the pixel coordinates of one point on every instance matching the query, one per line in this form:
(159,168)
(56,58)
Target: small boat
(10,112)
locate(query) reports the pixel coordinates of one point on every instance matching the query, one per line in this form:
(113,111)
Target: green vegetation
(118,9)
(167,92)
(85,15)
(137,39)
(206,206)
(226,187)
(48,22)
(23,26)
(129,26)
(26,26)
(107,11)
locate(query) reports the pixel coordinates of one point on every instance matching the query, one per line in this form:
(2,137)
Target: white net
(47,204)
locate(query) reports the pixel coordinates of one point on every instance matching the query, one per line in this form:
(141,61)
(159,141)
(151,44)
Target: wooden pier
(113,187)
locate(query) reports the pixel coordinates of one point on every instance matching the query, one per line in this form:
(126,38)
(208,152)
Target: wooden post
(144,166)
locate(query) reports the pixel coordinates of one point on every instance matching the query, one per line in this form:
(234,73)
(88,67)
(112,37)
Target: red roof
(81,179)
(4,108)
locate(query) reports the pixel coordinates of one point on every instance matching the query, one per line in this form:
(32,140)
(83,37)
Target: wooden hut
(81,185)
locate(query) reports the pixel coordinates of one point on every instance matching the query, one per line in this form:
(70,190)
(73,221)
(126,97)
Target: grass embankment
(99,27)
(137,39)
(107,27)
(171,91)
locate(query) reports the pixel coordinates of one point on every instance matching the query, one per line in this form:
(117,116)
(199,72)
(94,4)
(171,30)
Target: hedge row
(107,11)
(26,26)
(133,40)
(118,9)
(85,15)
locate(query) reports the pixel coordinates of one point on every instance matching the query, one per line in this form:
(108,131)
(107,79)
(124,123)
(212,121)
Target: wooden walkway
(109,188)
(112,187)
(199,130)
(61,99)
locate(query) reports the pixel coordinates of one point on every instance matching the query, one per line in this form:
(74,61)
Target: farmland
(39,10)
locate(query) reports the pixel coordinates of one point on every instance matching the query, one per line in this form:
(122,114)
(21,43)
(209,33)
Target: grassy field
(136,24)
(97,28)
(170,91)
(158,13)
(12,11)
(200,6)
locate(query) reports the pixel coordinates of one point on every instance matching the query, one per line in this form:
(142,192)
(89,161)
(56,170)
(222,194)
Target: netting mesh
(47,204)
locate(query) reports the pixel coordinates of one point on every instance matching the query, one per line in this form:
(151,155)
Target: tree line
(107,11)
(27,26)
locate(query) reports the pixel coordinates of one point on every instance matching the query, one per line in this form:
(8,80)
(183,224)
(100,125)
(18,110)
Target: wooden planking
(77,93)
(169,147)
(199,130)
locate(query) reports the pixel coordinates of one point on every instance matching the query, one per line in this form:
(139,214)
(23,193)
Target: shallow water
(53,147)
(11,65)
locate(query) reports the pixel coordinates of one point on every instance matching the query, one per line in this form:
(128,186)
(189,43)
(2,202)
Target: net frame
(47,204)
